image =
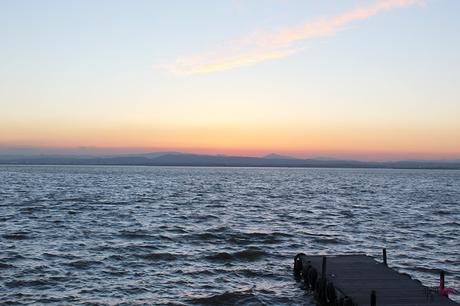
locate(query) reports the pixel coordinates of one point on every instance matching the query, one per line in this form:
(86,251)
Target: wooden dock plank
(356,276)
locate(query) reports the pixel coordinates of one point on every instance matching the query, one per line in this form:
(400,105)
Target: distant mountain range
(187,159)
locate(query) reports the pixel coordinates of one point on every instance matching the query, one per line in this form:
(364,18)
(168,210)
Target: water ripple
(207,236)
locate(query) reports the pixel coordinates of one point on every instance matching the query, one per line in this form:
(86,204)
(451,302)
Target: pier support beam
(373,298)
(442,279)
(323,268)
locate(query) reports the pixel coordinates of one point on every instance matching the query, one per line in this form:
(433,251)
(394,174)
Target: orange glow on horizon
(356,142)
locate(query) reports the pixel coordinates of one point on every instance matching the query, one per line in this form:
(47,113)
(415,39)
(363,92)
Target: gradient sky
(370,79)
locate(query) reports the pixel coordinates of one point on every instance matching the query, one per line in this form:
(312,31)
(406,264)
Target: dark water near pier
(213,236)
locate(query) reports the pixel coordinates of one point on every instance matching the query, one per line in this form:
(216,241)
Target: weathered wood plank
(355,277)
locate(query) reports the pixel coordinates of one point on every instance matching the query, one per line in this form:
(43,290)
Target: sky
(368,79)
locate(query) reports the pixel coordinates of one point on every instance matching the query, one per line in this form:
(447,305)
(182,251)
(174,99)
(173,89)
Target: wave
(6,266)
(136,248)
(204,236)
(261,237)
(133,234)
(423,269)
(323,240)
(249,254)
(16,236)
(28,283)
(228,298)
(53,255)
(159,256)
(83,264)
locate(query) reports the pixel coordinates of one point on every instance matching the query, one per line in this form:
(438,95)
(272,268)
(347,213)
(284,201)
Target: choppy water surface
(135,235)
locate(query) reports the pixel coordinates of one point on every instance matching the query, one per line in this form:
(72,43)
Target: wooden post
(442,284)
(323,268)
(442,278)
(385,256)
(373,298)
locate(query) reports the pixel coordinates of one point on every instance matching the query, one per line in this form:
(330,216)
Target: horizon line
(363,156)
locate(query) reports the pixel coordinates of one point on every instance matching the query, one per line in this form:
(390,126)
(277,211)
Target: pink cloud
(262,46)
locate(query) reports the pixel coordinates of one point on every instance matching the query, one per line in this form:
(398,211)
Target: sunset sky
(368,79)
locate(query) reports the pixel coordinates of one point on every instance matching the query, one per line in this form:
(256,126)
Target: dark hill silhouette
(278,156)
(186,159)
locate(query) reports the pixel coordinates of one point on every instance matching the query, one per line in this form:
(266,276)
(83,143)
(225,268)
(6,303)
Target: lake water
(213,236)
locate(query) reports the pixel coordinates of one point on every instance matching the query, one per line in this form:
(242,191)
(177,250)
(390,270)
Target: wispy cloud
(262,46)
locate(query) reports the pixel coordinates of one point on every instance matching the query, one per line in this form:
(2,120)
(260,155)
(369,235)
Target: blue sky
(110,74)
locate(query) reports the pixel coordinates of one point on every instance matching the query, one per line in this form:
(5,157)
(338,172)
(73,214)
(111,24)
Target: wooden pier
(359,280)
